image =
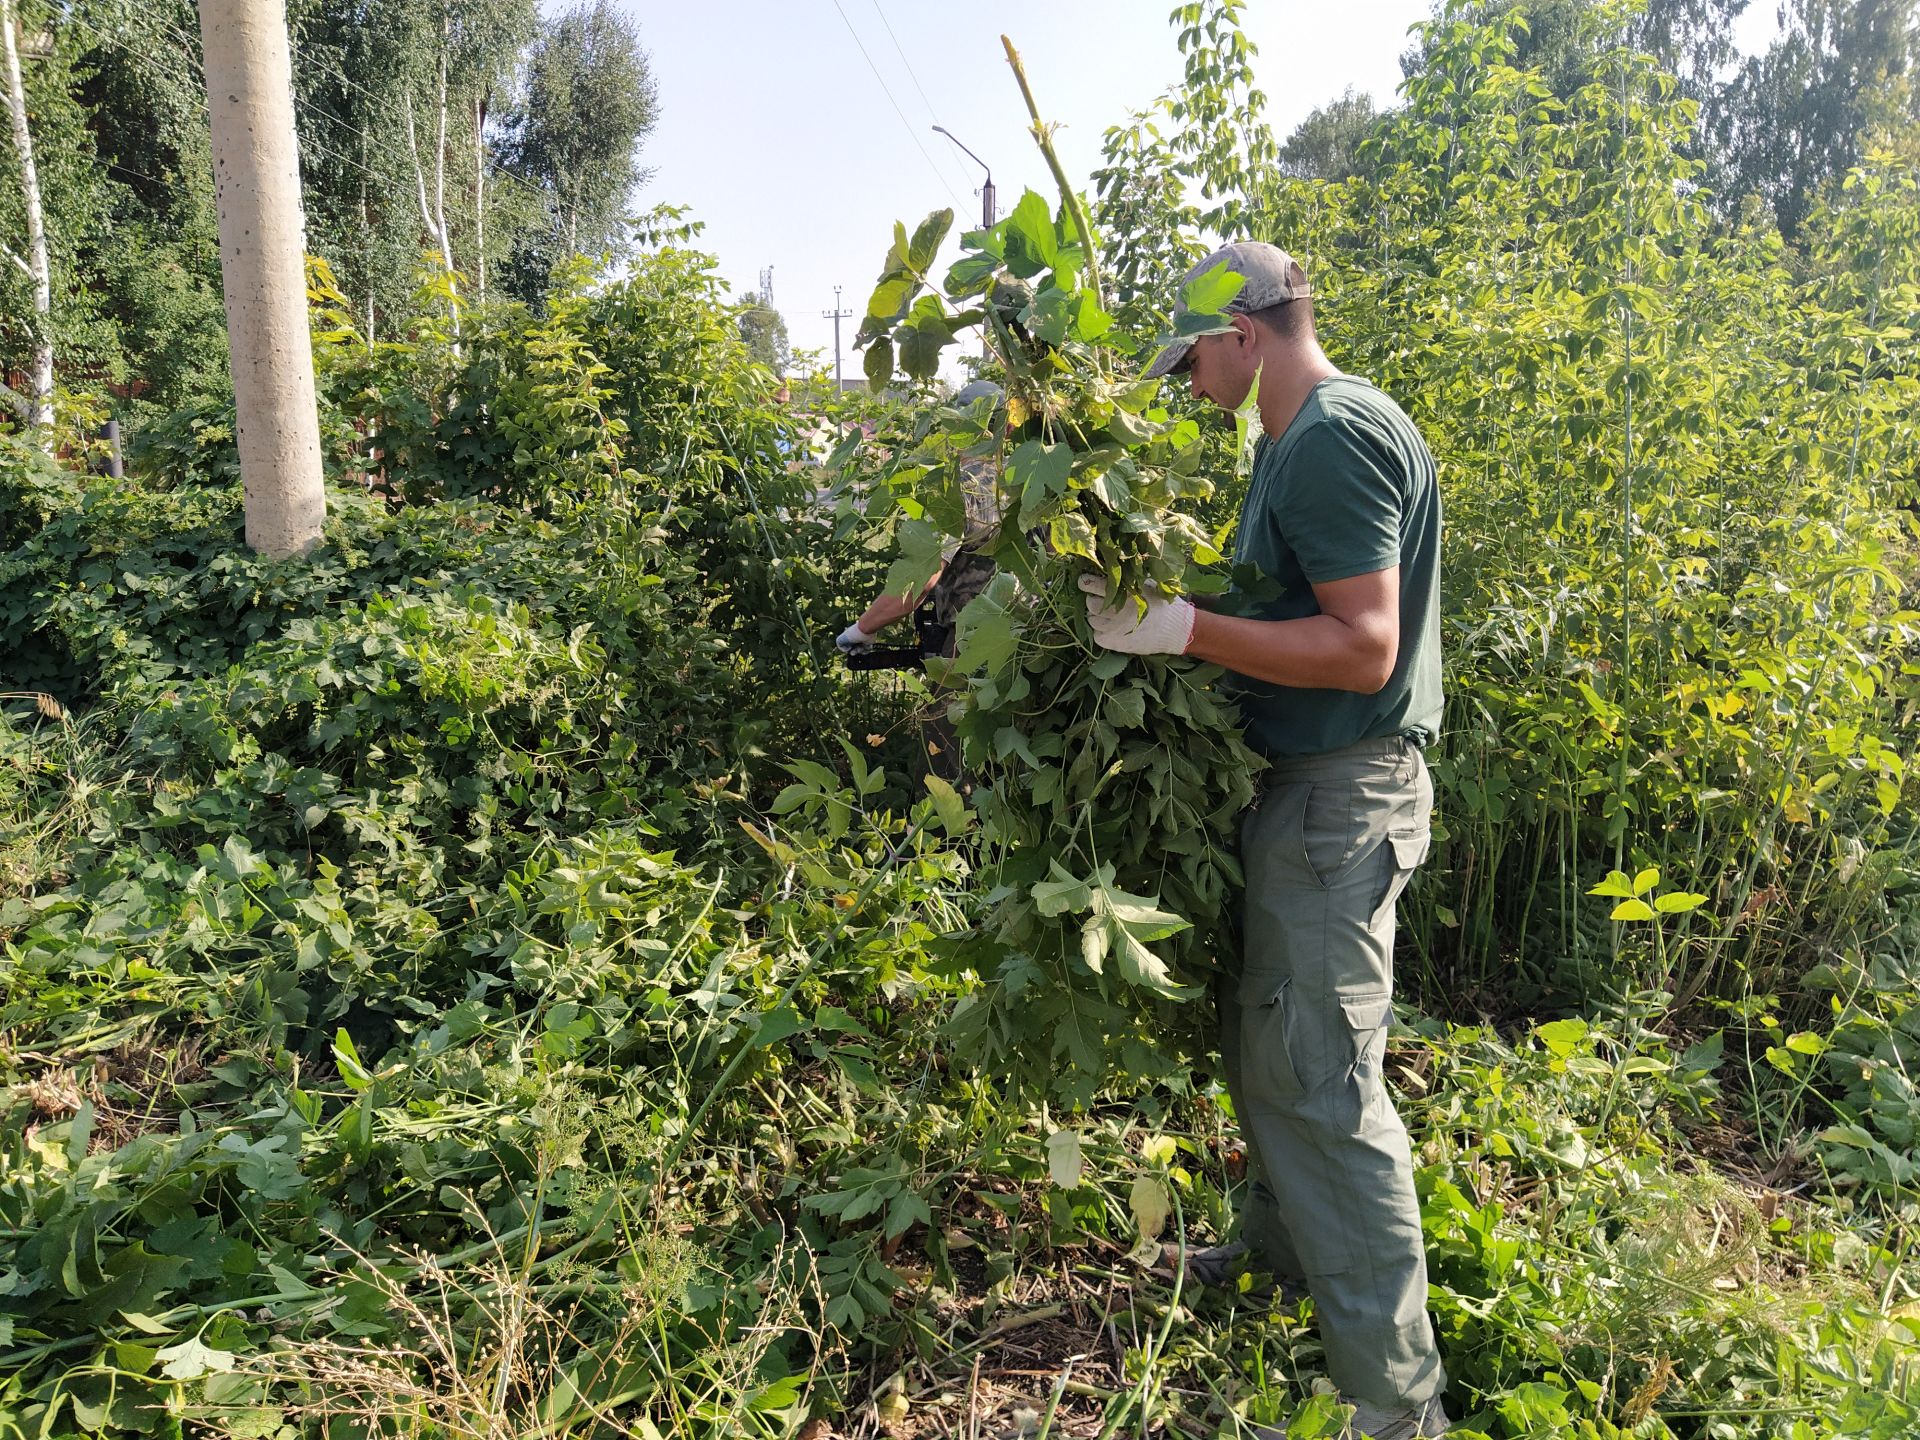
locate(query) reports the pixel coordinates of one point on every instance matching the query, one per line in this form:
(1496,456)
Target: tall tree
(1692,39)
(36,407)
(1799,115)
(1326,145)
(588,103)
(58,307)
(485,42)
(156,267)
(1196,163)
(398,140)
(765,331)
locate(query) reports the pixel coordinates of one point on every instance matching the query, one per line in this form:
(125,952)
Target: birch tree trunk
(37,409)
(440,162)
(256,167)
(434,219)
(480,196)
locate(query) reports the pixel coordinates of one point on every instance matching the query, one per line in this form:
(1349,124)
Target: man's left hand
(1164,628)
(853,640)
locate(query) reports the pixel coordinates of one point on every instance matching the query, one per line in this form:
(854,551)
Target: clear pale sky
(775,130)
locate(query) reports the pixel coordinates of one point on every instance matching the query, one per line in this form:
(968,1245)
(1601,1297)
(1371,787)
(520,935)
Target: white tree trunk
(256,167)
(440,164)
(37,409)
(435,221)
(480,196)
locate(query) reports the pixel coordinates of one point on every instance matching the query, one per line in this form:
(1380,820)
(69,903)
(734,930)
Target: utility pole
(256,168)
(836,314)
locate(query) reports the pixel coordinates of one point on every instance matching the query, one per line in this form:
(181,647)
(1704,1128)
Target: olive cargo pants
(1327,849)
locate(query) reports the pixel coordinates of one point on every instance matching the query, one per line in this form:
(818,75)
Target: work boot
(1219,1267)
(1377,1424)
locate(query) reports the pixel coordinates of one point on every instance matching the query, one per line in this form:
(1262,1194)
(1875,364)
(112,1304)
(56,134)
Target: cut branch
(1043,137)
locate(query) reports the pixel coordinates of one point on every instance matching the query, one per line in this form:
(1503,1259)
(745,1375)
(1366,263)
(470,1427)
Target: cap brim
(1171,358)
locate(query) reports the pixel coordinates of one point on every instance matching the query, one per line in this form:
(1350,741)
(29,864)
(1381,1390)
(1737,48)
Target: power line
(188,46)
(905,124)
(533,187)
(911,73)
(198,88)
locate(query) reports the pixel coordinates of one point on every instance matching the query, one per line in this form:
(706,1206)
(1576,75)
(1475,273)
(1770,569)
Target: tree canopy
(588,103)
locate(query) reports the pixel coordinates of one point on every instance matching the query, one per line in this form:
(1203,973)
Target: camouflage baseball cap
(1270,277)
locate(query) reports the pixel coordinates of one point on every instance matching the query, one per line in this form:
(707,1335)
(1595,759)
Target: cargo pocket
(1367,1017)
(1266,1042)
(1407,849)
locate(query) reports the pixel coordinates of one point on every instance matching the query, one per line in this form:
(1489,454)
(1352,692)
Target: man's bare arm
(1351,645)
(888,608)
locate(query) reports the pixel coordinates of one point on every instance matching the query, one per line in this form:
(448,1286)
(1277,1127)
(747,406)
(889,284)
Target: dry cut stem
(1043,137)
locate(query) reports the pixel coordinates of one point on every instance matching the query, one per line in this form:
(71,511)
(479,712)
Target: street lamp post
(986,191)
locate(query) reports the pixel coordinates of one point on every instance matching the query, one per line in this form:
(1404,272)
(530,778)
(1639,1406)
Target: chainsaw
(931,638)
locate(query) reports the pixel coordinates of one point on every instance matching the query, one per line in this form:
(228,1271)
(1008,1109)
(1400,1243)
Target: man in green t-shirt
(1335,650)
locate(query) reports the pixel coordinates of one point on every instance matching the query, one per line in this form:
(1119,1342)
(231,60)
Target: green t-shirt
(1348,489)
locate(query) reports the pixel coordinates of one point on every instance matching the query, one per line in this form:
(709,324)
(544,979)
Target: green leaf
(1616,883)
(1126,708)
(926,241)
(1063,895)
(347,1060)
(949,806)
(815,774)
(1189,324)
(921,547)
(1209,293)
(921,342)
(776,1025)
(1678,902)
(240,857)
(1646,880)
(1561,1036)
(80,1132)
(1631,909)
(971,275)
(189,1360)
(1091,322)
(1070,534)
(1050,316)
(988,632)
(1703,1057)
(906,1211)
(890,297)
(879,365)
(1133,923)
(1033,244)
(1038,472)
(792,797)
(1095,941)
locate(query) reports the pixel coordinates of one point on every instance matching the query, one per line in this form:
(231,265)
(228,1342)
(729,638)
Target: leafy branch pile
(1111,783)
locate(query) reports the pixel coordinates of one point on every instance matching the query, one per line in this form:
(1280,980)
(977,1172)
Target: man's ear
(1249,335)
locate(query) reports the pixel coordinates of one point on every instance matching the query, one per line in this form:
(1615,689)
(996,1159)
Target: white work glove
(853,639)
(1166,627)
